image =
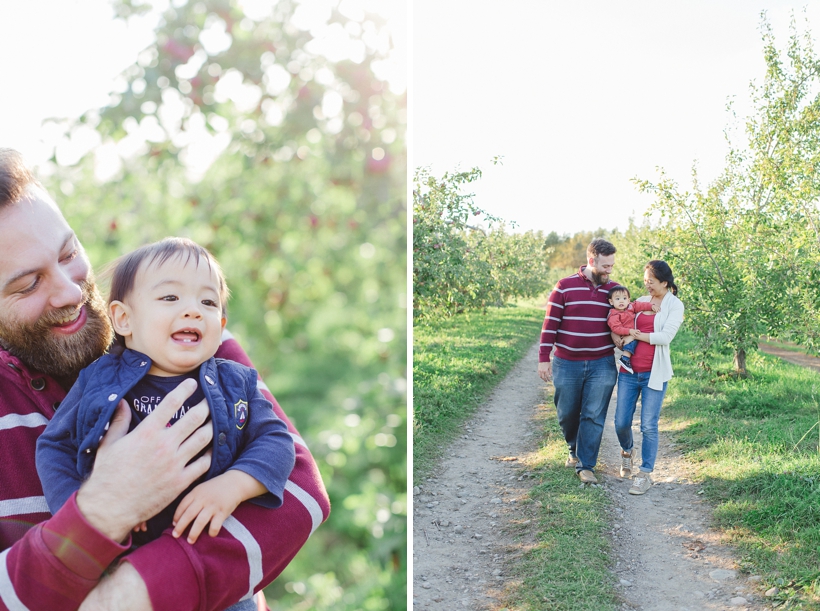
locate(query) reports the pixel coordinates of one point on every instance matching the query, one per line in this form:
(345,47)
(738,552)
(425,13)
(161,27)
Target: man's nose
(67,292)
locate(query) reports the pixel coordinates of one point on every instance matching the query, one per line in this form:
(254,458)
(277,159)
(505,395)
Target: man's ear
(224,322)
(120,317)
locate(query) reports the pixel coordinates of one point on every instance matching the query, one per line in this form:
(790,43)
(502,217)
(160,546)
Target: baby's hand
(656,308)
(213,501)
(141,527)
(208,502)
(634,333)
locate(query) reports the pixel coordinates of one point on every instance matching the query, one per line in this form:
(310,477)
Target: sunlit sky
(62,57)
(579,97)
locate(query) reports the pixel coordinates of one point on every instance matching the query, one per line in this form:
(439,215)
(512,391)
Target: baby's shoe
(626,363)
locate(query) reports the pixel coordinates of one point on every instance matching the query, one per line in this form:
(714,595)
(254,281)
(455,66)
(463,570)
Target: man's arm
(549,330)
(619,340)
(57,562)
(253,547)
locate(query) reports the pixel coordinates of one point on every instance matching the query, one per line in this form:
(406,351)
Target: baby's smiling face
(173,314)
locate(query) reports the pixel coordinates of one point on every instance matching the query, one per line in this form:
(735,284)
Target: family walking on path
(587,316)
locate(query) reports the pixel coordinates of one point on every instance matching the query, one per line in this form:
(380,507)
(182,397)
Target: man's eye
(209,302)
(168,298)
(70,256)
(30,288)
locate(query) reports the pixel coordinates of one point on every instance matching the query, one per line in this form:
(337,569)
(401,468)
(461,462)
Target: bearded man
(53,323)
(583,364)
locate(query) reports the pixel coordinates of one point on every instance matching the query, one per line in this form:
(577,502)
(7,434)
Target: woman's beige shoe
(641,483)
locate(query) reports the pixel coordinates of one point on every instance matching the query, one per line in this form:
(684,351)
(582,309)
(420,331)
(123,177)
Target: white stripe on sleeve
(308,501)
(23,506)
(28,420)
(244,536)
(7,593)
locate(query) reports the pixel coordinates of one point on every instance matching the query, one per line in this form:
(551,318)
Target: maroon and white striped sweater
(53,562)
(575,321)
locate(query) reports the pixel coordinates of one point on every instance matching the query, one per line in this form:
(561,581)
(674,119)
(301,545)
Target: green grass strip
(757,445)
(457,361)
(568,568)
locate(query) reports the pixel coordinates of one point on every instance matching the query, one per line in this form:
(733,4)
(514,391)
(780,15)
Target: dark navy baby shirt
(150,390)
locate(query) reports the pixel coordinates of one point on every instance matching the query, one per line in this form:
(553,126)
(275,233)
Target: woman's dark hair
(619,288)
(663,273)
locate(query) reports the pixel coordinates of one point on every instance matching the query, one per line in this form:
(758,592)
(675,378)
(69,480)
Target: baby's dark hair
(124,269)
(618,288)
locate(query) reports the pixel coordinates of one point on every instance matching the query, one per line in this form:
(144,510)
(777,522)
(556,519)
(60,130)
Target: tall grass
(755,441)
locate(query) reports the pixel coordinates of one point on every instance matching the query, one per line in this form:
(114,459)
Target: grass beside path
(756,444)
(456,362)
(568,568)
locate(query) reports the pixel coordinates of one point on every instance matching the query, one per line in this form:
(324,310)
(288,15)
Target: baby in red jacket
(621,320)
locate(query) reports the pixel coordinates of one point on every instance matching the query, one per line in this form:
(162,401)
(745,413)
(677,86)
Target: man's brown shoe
(587,476)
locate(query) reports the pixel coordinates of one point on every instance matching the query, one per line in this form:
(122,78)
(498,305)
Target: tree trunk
(740,364)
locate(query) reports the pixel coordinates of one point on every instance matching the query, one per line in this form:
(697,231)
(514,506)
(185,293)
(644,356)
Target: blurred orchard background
(273,133)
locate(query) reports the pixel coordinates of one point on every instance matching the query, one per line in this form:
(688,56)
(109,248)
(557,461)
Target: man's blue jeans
(630,387)
(582,393)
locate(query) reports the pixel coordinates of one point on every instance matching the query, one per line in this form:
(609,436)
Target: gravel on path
(470,524)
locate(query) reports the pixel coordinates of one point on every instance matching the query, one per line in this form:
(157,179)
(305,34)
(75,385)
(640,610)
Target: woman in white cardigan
(652,368)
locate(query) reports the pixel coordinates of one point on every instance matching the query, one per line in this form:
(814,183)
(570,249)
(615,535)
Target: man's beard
(599,277)
(54,354)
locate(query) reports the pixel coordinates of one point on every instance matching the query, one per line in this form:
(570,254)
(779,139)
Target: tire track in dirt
(469,523)
(667,555)
(463,514)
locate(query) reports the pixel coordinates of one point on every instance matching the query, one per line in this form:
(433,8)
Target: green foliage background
(746,247)
(306,212)
(459,265)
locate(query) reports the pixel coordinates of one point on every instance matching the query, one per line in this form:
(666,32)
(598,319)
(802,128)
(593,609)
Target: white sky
(579,97)
(60,57)
(59,60)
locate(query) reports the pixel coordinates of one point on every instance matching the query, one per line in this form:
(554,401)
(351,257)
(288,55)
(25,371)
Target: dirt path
(468,518)
(798,358)
(461,517)
(667,557)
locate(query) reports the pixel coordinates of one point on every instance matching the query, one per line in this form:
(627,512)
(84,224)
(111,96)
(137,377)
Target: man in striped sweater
(53,323)
(583,364)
